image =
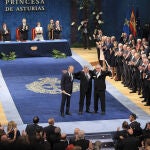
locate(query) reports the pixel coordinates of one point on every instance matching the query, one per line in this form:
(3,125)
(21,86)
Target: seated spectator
(146,133)
(62,144)
(82,142)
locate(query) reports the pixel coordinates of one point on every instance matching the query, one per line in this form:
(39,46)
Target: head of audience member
(4,139)
(81,135)
(51,21)
(147,126)
(115,44)
(71,69)
(11,126)
(99,32)
(120,46)
(57,23)
(2,132)
(125,125)
(108,40)
(38,24)
(36,119)
(137,56)
(139,41)
(125,47)
(130,132)
(133,51)
(51,121)
(131,37)
(24,21)
(98,68)
(132,117)
(144,40)
(113,39)
(4,26)
(76,132)
(97,145)
(133,43)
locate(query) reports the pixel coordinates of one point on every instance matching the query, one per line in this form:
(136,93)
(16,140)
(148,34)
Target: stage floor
(8,106)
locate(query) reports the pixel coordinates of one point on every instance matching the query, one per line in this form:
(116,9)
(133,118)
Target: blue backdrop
(114,13)
(56,9)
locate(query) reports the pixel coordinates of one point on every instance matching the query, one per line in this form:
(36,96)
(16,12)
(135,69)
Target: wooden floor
(91,57)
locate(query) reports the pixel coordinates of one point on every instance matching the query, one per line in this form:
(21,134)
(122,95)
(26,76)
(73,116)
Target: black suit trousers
(84,94)
(65,101)
(99,95)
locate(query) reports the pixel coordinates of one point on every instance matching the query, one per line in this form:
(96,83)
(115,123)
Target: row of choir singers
(54,31)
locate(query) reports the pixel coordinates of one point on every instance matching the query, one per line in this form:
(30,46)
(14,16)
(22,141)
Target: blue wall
(114,13)
(56,9)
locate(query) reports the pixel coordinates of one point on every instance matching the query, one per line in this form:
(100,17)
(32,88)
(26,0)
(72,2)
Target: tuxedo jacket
(66,83)
(85,83)
(99,82)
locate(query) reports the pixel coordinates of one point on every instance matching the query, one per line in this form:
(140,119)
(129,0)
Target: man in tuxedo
(66,88)
(85,77)
(24,28)
(100,87)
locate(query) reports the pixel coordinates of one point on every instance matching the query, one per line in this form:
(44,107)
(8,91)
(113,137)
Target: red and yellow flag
(132,23)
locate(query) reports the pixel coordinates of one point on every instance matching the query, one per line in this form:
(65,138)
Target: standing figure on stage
(100,87)
(57,30)
(38,32)
(5,33)
(50,29)
(85,77)
(24,28)
(85,34)
(66,87)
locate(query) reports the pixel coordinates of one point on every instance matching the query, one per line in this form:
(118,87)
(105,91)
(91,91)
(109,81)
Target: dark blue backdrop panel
(54,9)
(35,48)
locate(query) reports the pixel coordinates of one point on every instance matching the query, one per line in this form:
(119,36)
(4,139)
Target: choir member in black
(24,28)
(66,87)
(100,86)
(85,77)
(6,36)
(124,38)
(136,73)
(50,29)
(85,34)
(57,30)
(147,85)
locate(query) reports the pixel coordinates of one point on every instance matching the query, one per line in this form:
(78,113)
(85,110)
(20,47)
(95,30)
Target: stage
(35,48)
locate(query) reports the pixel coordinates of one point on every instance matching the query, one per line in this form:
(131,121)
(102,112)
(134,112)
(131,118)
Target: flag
(138,24)
(132,23)
(126,28)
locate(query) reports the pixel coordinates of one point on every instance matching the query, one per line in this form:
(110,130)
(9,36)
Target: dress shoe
(143,101)
(141,97)
(80,113)
(68,113)
(139,92)
(103,113)
(87,111)
(94,112)
(133,92)
(147,105)
(62,115)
